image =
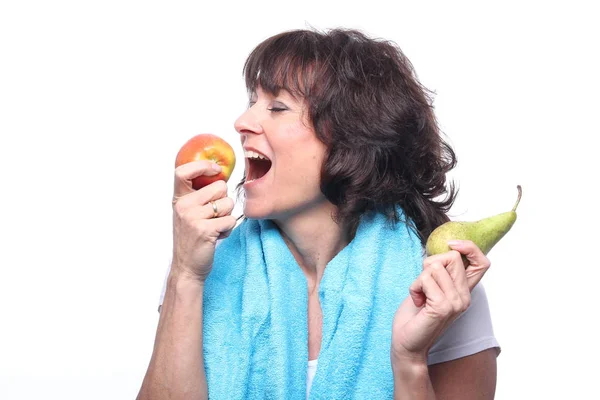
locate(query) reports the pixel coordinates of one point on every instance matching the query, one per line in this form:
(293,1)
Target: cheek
(302,170)
(300,157)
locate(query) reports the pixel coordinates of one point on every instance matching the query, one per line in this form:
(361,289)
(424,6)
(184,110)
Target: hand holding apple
(209,147)
(201,207)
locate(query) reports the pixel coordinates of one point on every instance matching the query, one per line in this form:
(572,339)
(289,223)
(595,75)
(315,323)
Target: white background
(97,97)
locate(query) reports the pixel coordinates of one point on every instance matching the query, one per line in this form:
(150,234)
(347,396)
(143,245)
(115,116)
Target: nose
(248,123)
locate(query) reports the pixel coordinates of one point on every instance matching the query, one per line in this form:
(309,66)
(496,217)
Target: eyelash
(272,109)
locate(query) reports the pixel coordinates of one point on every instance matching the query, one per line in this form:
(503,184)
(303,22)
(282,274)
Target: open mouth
(258,165)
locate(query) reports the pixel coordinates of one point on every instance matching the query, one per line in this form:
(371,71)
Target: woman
(344,170)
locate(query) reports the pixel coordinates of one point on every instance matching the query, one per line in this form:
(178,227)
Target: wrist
(183,273)
(183,281)
(182,292)
(411,378)
(408,360)
(410,368)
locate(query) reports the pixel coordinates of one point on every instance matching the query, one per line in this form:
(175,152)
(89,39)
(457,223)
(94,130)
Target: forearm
(176,369)
(411,381)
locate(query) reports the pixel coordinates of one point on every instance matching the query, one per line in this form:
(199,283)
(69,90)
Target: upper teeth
(253,154)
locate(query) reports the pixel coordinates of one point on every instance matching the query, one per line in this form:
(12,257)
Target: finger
(456,292)
(222,224)
(416,293)
(425,287)
(184,174)
(224,206)
(452,260)
(478,262)
(200,197)
(227,233)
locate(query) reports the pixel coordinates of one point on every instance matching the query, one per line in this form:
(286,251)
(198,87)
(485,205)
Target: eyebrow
(296,98)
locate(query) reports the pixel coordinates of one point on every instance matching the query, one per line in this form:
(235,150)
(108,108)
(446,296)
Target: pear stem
(518,198)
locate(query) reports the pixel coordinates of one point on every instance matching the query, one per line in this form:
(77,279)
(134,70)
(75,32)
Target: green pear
(484,233)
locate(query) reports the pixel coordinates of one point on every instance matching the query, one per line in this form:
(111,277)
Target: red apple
(207,147)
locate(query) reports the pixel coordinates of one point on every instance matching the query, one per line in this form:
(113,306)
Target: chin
(255,209)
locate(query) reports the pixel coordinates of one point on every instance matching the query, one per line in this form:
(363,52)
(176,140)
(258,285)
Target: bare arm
(437,297)
(176,369)
(468,378)
(200,218)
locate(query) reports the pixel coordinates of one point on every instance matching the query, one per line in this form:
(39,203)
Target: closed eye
(277,106)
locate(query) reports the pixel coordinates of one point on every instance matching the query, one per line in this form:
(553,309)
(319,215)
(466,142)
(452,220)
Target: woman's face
(287,182)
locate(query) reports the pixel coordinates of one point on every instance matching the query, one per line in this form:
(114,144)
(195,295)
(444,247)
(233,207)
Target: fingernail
(454,243)
(216,167)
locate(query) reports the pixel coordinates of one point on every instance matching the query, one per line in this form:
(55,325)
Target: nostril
(247,132)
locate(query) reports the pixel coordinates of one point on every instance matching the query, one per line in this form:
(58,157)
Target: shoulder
(471,333)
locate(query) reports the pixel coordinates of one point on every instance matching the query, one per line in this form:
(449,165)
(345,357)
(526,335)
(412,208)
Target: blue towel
(255,314)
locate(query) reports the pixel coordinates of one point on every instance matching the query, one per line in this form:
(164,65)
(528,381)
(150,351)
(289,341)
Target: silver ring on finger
(215,209)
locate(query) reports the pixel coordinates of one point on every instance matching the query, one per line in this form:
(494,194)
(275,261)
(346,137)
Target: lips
(257,166)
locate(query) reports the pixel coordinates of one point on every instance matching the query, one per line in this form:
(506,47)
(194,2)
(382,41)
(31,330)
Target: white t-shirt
(471,333)
(310,374)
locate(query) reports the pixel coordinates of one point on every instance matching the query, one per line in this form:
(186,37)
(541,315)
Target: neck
(314,239)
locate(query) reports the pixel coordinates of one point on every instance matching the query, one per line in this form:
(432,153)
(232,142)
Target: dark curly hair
(367,106)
